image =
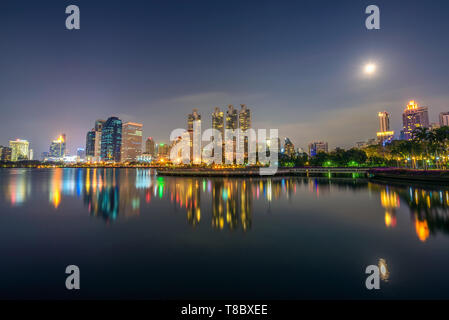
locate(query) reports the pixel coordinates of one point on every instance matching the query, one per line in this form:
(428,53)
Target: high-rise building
(232,118)
(244,118)
(19,150)
(111,140)
(90,145)
(150,147)
(163,151)
(414,117)
(5,153)
(218,124)
(318,146)
(194,122)
(58,147)
(80,153)
(385,134)
(289,147)
(444,119)
(131,141)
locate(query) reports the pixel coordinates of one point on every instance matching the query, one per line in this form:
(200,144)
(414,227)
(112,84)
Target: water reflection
(222,203)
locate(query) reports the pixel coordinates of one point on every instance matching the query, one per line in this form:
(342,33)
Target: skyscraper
(444,119)
(232,118)
(218,124)
(150,147)
(111,140)
(58,147)
(131,141)
(318,146)
(19,150)
(289,147)
(90,145)
(414,117)
(5,153)
(384,134)
(244,124)
(194,122)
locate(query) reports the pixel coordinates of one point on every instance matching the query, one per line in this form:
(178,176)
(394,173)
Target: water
(137,235)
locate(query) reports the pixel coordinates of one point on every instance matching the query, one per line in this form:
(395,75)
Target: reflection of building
(390,201)
(19,150)
(131,141)
(316,147)
(412,118)
(111,140)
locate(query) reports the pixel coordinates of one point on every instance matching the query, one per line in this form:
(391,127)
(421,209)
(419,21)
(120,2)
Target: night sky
(297,65)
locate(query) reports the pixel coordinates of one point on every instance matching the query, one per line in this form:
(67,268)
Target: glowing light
(422,230)
(383,267)
(370,68)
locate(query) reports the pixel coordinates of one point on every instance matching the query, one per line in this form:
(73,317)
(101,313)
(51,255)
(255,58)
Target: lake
(137,235)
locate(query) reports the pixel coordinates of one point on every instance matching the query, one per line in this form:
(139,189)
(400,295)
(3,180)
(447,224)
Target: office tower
(5,153)
(131,141)
(232,118)
(31,154)
(19,150)
(414,117)
(90,145)
(194,129)
(98,131)
(289,147)
(81,153)
(111,140)
(232,123)
(58,147)
(444,119)
(150,147)
(218,124)
(318,146)
(244,125)
(163,151)
(385,134)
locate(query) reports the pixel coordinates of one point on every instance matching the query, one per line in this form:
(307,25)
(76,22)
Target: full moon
(370,68)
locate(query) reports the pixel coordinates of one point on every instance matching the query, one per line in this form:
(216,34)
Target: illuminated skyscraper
(90,145)
(316,147)
(414,117)
(385,134)
(5,153)
(194,129)
(58,147)
(218,124)
(19,150)
(244,118)
(232,118)
(289,147)
(131,141)
(150,147)
(444,119)
(111,140)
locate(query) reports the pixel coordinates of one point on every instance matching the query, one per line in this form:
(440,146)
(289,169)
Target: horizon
(297,70)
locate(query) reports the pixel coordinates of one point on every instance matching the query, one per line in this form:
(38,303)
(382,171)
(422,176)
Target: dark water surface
(134,234)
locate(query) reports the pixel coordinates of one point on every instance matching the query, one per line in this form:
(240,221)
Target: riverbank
(410,175)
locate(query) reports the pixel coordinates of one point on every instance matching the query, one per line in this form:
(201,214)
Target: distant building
(289,147)
(80,153)
(58,147)
(444,119)
(414,117)
(31,154)
(244,125)
(194,120)
(93,142)
(385,134)
(5,153)
(316,147)
(163,150)
(131,141)
(111,140)
(90,145)
(218,121)
(150,147)
(19,150)
(232,123)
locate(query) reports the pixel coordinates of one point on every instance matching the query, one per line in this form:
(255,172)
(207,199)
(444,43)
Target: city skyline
(155,74)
